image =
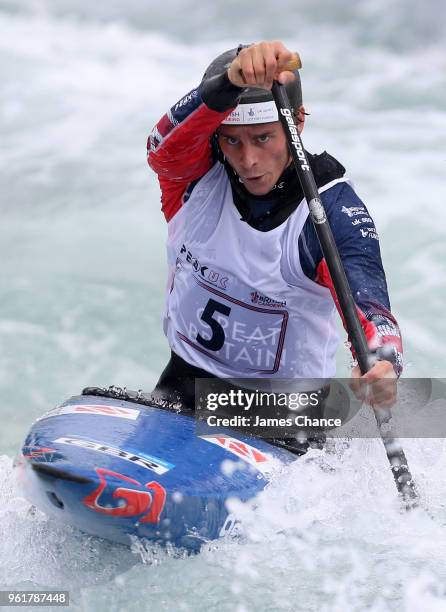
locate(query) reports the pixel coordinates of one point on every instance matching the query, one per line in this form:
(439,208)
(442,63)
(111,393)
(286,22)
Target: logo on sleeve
(353,211)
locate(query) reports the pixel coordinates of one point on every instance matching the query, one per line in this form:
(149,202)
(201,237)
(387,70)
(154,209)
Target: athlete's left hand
(378,387)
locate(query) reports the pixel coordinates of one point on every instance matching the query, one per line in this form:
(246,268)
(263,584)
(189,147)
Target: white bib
(238,303)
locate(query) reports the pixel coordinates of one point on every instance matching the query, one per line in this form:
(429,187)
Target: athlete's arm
(179,147)
(358,245)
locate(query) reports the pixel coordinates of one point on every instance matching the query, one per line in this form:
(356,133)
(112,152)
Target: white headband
(257,112)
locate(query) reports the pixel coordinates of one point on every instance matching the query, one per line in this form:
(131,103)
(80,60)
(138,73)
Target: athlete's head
(251,137)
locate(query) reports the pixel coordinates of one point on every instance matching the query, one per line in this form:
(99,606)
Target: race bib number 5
(231,331)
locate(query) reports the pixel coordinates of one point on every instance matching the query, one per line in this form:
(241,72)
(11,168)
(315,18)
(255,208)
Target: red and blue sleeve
(357,241)
(179,147)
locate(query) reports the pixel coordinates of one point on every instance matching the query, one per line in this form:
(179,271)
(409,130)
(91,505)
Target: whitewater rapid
(83,276)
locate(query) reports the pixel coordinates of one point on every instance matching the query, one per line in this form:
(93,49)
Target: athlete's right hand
(260,64)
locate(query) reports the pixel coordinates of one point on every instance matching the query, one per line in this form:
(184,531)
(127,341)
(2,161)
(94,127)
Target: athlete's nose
(248,157)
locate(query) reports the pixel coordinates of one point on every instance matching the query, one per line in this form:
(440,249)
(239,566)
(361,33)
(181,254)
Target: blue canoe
(114,468)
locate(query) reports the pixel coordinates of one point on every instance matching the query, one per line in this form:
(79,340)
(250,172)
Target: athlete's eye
(263,138)
(231,140)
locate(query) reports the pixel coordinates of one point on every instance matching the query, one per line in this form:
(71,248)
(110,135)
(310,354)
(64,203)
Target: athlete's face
(258,153)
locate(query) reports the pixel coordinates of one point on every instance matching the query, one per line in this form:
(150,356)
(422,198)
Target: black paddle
(397,459)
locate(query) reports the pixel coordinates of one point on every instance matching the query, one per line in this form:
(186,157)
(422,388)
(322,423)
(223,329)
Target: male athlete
(249,294)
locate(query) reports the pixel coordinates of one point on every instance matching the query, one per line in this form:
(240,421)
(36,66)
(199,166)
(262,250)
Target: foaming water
(38,552)
(83,273)
(401,25)
(327,534)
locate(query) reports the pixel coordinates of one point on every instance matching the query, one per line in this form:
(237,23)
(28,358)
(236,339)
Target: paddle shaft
(394,451)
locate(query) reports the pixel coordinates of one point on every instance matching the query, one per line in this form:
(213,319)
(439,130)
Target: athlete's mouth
(253,179)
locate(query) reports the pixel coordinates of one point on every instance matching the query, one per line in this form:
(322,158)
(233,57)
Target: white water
(82,279)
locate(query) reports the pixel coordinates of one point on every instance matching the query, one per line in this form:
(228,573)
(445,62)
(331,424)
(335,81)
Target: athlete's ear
(217,153)
(300,117)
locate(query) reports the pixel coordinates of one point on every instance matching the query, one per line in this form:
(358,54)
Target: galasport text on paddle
(397,459)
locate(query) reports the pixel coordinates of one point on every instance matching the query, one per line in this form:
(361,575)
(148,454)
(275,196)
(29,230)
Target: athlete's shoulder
(342,203)
(325,168)
(335,188)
